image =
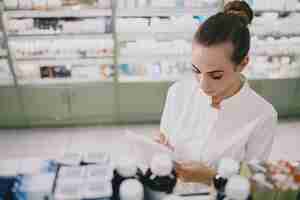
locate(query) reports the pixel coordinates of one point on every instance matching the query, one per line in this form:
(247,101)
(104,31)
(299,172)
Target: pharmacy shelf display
(274,61)
(39,32)
(60,27)
(60,41)
(165,12)
(154,38)
(60,13)
(275,43)
(275,46)
(64,54)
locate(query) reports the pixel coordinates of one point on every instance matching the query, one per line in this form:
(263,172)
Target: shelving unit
(68,61)
(119,99)
(59,60)
(62,36)
(164,12)
(41,82)
(62,100)
(283,93)
(277,35)
(59,13)
(260,11)
(147,58)
(137,79)
(167,36)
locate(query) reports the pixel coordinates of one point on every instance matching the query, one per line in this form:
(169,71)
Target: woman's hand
(195,172)
(162,139)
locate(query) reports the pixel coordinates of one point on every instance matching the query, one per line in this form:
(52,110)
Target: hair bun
(241,9)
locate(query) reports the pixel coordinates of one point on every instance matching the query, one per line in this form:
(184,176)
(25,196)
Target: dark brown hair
(229,26)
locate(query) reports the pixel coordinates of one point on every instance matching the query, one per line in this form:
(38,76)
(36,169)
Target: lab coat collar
(239,97)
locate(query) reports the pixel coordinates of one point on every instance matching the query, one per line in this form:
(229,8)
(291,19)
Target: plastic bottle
(131,189)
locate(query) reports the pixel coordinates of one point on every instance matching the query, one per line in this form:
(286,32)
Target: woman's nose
(204,83)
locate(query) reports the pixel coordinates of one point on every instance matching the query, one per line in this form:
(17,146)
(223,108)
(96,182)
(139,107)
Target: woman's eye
(217,77)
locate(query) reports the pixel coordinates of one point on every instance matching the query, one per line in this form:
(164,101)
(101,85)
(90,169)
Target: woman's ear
(244,63)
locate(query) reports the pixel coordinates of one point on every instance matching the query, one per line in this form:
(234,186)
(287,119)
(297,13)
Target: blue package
(6,185)
(34,187)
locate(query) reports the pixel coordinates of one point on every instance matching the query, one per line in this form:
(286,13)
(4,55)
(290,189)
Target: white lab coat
(243,129)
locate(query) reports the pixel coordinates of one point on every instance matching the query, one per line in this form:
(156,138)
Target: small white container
(131,190)
(161,165)
(126,167)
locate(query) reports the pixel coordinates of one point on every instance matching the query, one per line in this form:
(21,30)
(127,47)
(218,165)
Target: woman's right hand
(161,138)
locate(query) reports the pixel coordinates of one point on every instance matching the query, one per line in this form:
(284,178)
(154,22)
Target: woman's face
(214,70)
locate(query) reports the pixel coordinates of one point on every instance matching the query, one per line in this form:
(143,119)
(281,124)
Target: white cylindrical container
(131,189)
(126,167)
(161,165)
(160,174)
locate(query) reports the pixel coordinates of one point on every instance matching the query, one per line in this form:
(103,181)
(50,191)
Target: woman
(217,114)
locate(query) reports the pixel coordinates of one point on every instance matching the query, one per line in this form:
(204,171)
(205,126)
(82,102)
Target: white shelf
(3,52)
(157,36)
(278,54)
(152,58)
(276,35)
(59,59)
(133,79)
(68,61)
(272,78)
(258,11)
(65,12)
(62,36)
(48,81)
(164,12)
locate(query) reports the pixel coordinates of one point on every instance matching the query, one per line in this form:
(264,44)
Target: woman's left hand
(195,172)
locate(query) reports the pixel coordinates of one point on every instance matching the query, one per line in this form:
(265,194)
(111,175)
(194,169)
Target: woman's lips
(209,93)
